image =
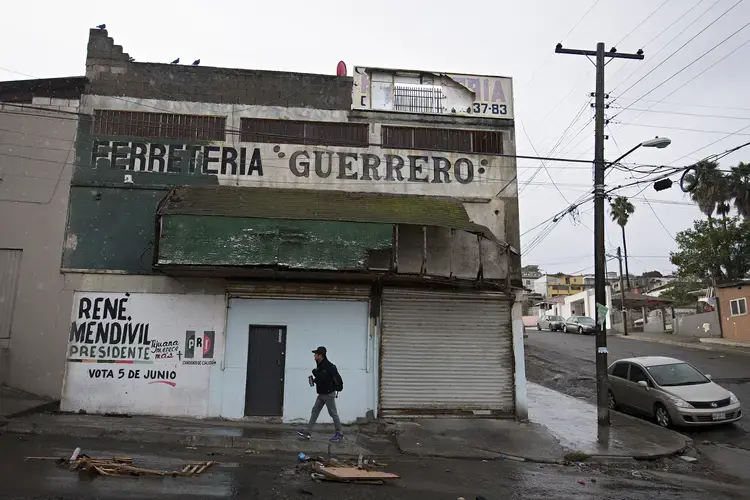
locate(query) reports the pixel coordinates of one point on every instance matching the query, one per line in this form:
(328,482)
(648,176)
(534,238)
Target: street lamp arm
(610,163)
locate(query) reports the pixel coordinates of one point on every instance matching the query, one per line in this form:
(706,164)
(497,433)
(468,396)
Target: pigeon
(196,62)
(102,27)
(176,61)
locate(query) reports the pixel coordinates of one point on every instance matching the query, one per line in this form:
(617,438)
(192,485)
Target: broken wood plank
(42,458)
(352,473)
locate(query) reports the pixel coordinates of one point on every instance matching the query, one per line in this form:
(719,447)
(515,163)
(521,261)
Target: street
(565,362)
(248,476)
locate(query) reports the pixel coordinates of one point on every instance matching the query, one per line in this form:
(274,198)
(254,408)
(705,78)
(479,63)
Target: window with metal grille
(418,98)
(441,139)
(159,125)
(303,132)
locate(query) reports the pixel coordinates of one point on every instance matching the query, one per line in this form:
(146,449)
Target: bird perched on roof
(196,62)
(102,27)
(176,61)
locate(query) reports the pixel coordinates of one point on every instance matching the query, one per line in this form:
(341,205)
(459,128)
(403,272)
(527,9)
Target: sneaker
(304,433)
(337,437)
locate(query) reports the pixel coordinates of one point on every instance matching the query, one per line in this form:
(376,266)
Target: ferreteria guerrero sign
(272,163)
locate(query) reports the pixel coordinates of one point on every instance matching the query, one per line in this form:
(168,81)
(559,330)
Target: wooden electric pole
(600,291)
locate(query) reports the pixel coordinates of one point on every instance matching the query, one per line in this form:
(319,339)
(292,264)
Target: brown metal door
(264,389)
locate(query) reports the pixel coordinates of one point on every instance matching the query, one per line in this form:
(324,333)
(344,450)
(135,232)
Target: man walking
(328,383)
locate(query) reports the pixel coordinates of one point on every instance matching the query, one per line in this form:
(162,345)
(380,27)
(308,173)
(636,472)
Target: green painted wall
(234,241)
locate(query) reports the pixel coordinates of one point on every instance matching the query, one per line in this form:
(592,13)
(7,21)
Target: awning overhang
(297,228)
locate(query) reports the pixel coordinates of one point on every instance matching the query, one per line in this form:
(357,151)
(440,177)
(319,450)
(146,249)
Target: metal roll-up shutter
(280,290)
(446,353)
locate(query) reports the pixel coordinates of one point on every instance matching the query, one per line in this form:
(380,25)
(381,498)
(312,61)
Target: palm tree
(621,209)
(712,193)
(739,187)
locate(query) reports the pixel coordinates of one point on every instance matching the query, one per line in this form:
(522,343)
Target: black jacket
(324,377)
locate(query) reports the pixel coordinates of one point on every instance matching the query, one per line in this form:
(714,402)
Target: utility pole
(622,296)
(600,291)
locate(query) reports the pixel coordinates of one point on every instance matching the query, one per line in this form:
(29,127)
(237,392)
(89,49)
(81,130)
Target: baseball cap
(320,350)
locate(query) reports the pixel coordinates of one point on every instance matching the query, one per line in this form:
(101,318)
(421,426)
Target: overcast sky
(494,37)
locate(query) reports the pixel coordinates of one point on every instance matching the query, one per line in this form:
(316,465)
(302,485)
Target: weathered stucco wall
(143,353)
(37,154)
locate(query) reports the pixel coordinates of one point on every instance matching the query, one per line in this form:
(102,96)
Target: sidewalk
(704,344)
(16,403)
(558,426)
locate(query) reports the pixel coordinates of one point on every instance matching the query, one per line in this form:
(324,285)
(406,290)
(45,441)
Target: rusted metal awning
(633,300)
(320,205)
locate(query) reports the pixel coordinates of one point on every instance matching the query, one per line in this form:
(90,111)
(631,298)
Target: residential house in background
(555,285)
(733,310)
(38,124)
(222,223)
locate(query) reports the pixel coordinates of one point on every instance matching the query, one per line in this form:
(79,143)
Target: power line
(688,65)
(699,115)
(684,129)
(642,22)
(680,48)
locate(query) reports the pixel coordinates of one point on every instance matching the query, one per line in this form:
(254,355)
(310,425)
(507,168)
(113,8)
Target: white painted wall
(102,381)
(340,325)
(522,404)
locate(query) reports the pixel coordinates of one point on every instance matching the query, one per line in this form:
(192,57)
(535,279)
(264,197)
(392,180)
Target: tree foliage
(679,291)
(653,274)
(720,251)
(717,191)
(621,209)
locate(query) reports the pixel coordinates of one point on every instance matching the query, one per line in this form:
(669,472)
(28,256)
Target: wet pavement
(573,422)
(565,363)
(276,477)
(14,402)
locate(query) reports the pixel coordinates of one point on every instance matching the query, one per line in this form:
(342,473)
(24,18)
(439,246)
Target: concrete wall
(696,325)
(144,353)
(36,153)
(340,325)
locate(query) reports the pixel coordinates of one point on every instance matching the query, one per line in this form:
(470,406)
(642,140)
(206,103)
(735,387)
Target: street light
(600,289)
(657,142)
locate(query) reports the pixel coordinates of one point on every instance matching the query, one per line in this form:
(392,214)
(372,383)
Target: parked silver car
(550,322)
(671,391)
(580,325)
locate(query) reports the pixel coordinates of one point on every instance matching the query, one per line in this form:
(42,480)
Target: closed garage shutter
(446,353)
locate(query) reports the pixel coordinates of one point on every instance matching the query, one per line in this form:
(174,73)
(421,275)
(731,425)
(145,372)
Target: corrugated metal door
(10,266)
(446,353)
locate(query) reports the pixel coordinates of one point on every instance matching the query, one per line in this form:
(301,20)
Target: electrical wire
(688,65)
(658,218)
(680,48)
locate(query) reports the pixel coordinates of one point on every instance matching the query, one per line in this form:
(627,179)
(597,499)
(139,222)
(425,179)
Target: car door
(642,398)
(618,379)
(543,323)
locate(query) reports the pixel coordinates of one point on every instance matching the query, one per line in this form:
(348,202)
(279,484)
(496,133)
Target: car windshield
(676,374)
(585,320)
(554,318)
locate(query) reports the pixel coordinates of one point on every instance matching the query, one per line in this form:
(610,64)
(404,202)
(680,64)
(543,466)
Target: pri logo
(205,345)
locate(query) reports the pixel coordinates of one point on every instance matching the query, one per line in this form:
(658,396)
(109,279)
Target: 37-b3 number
(495,109)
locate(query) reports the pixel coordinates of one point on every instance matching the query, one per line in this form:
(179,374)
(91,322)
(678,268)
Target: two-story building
(223,223)
(557,285)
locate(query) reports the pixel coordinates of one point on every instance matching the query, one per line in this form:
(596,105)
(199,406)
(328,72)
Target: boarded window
(159,125)
(441,139)
(303,132)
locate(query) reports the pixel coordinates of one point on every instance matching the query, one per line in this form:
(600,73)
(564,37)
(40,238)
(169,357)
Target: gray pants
(329,401)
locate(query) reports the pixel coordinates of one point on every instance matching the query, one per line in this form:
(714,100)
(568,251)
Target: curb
(689,345)
(49,406)
(160,437)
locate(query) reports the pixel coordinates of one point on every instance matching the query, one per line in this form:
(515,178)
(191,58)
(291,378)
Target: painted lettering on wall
(177,158)
(104,330)
(352,166)
(166,350)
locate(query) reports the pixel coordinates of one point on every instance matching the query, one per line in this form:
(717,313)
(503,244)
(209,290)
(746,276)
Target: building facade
(222,223)
(556,285)
(38,124)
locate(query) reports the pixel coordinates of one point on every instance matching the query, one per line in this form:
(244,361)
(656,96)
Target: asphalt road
(565,362)
(250,476)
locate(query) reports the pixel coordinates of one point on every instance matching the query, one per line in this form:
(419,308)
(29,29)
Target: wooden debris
(123,466)
(351,475)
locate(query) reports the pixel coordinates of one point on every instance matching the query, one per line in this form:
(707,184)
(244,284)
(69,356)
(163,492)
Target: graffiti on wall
(300,163)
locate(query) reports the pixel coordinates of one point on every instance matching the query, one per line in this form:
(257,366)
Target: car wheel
(539,328)
(662,415)
(580,330)
(611,401)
